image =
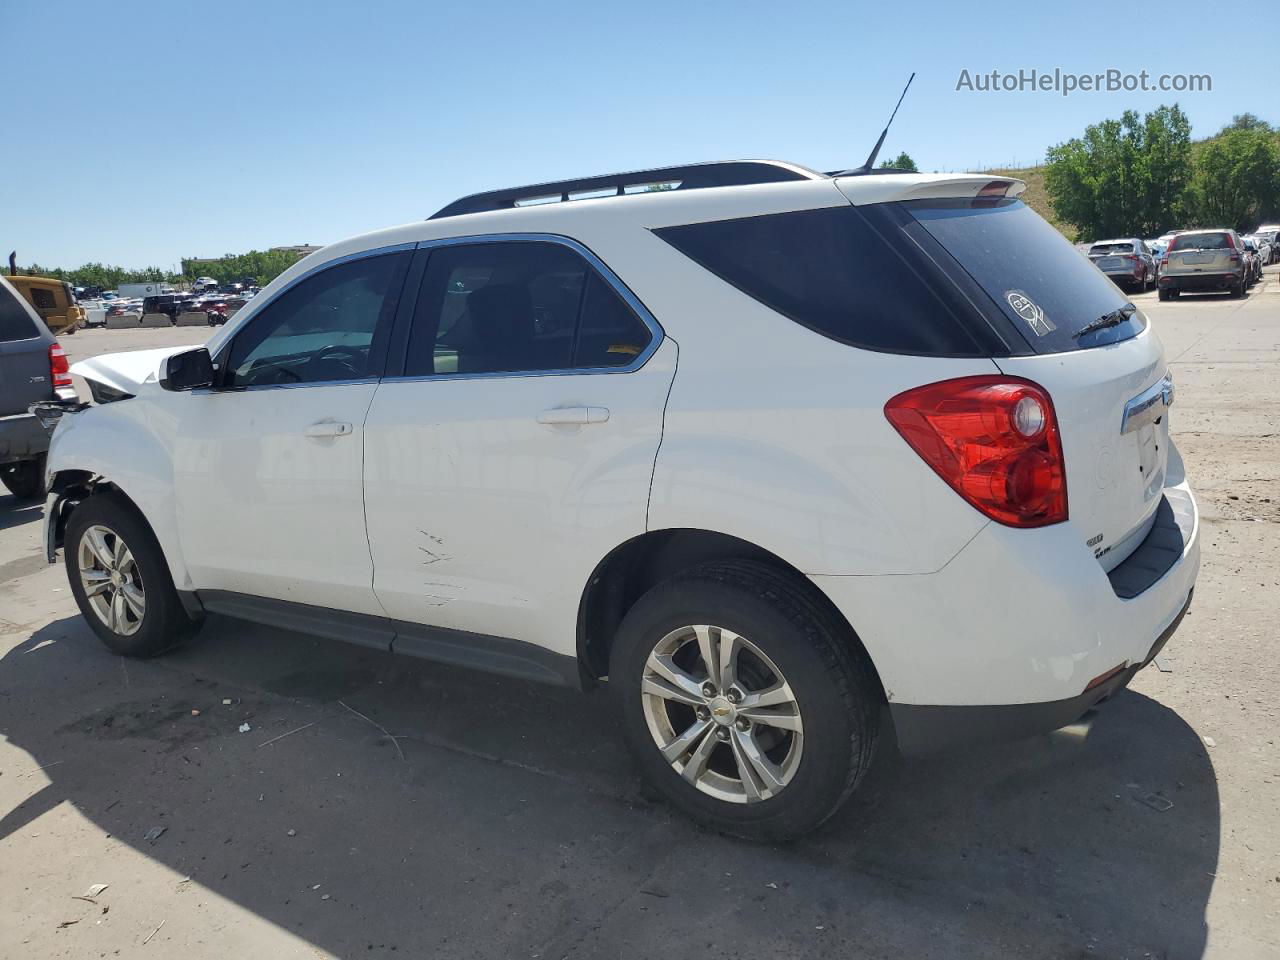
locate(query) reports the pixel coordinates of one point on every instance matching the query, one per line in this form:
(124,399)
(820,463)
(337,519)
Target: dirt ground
(379,807)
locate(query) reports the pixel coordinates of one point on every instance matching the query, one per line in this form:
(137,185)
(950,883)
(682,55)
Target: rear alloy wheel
(24,479)
(729,724)
(745,698)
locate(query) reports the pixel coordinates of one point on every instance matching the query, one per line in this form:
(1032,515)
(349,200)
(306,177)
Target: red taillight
(1164,262)
(994,439)
(59,368)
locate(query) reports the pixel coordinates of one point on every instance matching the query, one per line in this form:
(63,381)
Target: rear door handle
(327,428)
(574,415)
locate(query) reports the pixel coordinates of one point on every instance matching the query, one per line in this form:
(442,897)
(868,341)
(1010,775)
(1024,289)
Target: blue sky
(137,133)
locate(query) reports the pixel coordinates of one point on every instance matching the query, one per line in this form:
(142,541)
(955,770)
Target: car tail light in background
(59,368)
(994,440)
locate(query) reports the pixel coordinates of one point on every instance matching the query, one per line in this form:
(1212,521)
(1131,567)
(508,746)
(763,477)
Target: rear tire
(1237,290)
(1162,294)
(24,479)
(765,774)
(120,579)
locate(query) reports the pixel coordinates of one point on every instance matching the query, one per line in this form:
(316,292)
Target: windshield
(1035,277)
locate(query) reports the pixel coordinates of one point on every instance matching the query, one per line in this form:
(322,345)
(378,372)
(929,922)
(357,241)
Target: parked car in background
(1253,260)
(1157,248)
(1271,233)
(495,462)
(33,367)
(54,300)
(1128,262)
(1204,261)
(1267,249)
(168,303)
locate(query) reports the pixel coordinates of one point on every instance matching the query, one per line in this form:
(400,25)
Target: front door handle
(327,428)
(574,415)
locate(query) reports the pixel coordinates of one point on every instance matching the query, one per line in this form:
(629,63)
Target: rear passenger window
(610,335)
(517,307)
(15,322)
(43,299)
(830,271)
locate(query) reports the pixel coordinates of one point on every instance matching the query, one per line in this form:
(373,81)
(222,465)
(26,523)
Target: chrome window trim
(656,333)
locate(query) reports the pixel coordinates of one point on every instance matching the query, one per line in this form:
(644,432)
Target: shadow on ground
(514,827)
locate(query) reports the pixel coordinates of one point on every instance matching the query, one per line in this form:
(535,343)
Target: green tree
(1237,178)
(1246,121)
(902,161)
(1125,177)
(99,275)
(264,265)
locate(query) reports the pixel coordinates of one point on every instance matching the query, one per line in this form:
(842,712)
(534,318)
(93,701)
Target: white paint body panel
(1020,616)
(264,509)
(483,519)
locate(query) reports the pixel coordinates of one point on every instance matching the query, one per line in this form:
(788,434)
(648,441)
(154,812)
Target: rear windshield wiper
(1112,319)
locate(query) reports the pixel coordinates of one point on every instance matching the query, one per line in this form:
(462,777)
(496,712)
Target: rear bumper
(1199,281)
(1130,274)
(928,729)
(22,437)
(1012,631)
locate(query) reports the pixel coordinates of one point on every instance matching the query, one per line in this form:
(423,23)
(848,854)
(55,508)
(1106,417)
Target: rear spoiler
(927,186)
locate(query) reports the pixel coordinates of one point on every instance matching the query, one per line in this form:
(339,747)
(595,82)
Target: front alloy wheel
(722,714)
(112,583)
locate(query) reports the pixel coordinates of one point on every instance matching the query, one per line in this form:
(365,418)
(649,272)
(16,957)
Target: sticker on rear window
(1030,311)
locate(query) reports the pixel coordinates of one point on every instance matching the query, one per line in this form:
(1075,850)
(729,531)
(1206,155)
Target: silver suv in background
(1127,262)
(1204,261)
(33,367)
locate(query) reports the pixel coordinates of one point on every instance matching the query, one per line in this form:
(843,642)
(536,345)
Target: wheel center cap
(722,711)
(116,578)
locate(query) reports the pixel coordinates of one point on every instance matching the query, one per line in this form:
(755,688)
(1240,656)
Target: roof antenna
(866,167)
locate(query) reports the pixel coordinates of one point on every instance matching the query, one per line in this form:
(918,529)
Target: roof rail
(689,177)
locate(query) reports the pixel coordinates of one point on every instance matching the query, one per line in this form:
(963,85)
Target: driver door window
(330,326)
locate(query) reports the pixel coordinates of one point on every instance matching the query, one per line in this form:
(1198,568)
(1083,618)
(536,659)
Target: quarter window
(43,299)
(330,326)
(831,271)
(512,307)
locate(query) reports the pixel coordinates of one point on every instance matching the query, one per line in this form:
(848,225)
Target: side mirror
(188,370)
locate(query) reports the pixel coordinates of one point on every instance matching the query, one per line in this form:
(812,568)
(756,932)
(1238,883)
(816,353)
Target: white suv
(796,461)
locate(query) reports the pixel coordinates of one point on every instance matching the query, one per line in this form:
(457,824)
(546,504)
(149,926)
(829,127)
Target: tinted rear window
(1033,275)
(833,271)
(15,322)
(1109,248)
(1201,241)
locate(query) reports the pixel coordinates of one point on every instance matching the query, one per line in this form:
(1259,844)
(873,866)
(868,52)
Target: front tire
(745,699)
(121,582)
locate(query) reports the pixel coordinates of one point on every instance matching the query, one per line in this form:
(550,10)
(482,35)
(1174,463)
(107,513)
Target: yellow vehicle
(54,300)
